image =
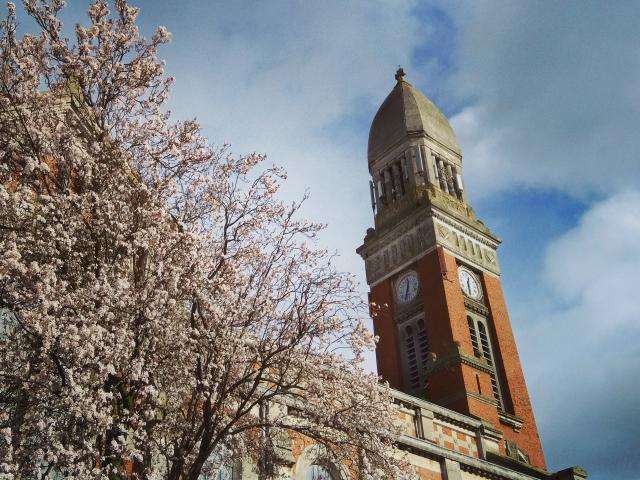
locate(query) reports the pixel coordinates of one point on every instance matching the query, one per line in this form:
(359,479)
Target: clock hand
(468,286)
(406,291)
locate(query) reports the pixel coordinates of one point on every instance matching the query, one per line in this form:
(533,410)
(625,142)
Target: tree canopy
(162,307)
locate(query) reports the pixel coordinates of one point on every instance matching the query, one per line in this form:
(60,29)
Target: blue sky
(545,100)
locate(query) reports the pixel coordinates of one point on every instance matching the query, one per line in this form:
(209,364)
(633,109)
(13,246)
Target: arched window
(412,360)
(318,472)
(481,344)
(225,472)
(217,468)
(416,348)
(316,463)
(474,337)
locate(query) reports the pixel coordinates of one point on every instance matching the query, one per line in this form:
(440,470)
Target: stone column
(450,184)
(409,169)
(388,185)
(430,167)
(397,179)
(488,438)
(380,200)
(418,164)
(426,417)
(450,470)
(454,179)
(442,176)
(374,195)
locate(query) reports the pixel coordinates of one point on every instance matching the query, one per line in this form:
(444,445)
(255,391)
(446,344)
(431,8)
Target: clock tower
(434,277)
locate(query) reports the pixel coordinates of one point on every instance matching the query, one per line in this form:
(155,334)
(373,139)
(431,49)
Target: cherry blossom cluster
(159,306)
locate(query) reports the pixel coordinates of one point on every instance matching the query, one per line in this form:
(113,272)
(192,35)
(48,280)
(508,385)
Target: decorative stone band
(465,243)
(393,253)
(443,413)
(476,307)
(409,312)
(470,464)
(387,253)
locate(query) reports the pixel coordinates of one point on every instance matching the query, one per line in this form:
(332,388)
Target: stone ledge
(457,355)
(450,415)
(483,467)
(517,466)
(571,473)
(513,421)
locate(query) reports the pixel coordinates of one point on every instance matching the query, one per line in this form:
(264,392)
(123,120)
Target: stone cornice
(378,156)
(479,235)
(513,421)
(475,465)
(476,307)
(392,228)
(416,226)
(490,432)
(467,394)
(404,313)
(440,412)
(386,235)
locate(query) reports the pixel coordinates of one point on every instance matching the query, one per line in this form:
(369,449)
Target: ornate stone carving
(420,232)
(467,244)
(400,248)
(443,231)
(487,240)
(490,256)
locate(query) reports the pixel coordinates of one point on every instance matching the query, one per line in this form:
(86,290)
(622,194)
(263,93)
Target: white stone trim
(317,455)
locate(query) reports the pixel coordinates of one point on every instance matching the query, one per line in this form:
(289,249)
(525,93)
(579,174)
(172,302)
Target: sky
(545,100)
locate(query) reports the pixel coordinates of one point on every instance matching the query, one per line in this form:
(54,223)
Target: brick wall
(527,439)
(459,386)
(387,354)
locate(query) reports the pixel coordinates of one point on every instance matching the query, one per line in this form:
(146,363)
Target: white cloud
(553,93)
(553,102)
(597,264)
(583,358)
(297,81)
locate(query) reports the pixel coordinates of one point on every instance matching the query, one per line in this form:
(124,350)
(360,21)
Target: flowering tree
(160,306)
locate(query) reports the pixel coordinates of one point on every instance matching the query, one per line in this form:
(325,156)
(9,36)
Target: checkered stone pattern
(456,438)
(408,421)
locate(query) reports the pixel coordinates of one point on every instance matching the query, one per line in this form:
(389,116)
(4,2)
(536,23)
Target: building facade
(433,270)
(434,277)
(446,346)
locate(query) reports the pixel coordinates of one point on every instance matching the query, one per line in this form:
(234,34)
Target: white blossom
(159,291)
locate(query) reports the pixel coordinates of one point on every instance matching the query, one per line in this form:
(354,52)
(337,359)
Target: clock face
(469,284)
(407,288)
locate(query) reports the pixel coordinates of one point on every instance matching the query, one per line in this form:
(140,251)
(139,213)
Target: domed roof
(407,112)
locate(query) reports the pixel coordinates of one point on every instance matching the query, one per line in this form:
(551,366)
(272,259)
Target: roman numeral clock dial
(407,288)
(469,284)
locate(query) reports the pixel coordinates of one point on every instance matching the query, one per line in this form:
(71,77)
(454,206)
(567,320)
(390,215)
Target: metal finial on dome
(404,115)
